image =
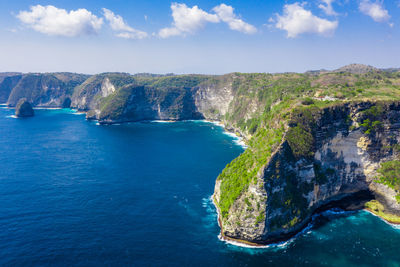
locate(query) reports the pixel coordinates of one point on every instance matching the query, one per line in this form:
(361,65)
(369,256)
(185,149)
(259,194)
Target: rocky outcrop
(24,109)
(87,95)
(212,98)
(327,155)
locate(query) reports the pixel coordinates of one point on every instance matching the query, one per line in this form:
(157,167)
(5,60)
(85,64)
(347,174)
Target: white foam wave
(236,139)
(394,226)
(12,116)
(243,245)
(162,121)
(45,108)
(75,112)
(284,244)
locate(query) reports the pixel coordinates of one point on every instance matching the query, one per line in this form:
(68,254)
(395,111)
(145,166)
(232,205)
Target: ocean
(138,194)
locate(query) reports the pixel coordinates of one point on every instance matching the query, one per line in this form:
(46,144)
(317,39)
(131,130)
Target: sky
(208,37)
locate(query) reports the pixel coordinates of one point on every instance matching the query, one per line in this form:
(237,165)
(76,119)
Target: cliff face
(325,156)
(137,103)
(6,86)
(44,90)
(88,94)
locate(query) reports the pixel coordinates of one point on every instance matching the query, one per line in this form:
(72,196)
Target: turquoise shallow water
(76,193)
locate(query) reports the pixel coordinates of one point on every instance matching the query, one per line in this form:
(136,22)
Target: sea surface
(76,193)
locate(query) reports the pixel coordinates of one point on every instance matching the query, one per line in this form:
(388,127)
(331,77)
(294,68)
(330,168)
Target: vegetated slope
(87,95)
(48,89)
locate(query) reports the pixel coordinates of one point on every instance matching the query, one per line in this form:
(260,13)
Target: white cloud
(296,20)
(187,20)
(55,21)
(375,10)
(118,24)
(226,14)
(326,6)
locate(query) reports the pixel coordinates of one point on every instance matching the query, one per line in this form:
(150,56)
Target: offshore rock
(24,109)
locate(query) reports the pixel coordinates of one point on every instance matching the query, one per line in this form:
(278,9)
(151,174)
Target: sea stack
(24,109)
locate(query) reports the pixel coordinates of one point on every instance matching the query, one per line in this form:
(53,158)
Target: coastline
(391,223)
(288,238)
(240,140)
(279,242)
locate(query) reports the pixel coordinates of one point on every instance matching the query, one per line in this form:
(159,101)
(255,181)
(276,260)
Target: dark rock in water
(24,108)
(66,103)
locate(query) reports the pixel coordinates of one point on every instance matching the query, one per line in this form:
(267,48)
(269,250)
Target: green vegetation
(371,124)
(389,175)
(260,218)
(300,134)
(377,208)
(114,105)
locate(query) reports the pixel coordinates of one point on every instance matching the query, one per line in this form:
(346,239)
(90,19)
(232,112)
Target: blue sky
(211,37)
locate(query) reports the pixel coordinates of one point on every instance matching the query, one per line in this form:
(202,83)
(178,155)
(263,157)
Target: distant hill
(357,69)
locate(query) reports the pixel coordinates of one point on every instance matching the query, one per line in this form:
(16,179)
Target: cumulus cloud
(118,24)
(226,14)
(326,6)
(187,20)
(296,20)
(55,21)
(375,10)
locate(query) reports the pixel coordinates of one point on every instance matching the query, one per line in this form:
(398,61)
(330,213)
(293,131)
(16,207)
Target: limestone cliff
(87,95)
(42,90)
(326,155)
(138,103)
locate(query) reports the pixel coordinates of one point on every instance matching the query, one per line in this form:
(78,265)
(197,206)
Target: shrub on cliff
(389,175)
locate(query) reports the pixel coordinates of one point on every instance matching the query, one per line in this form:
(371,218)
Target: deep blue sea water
(76,193)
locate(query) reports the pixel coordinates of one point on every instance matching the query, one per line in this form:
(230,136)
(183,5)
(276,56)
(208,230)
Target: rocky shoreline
(355,202)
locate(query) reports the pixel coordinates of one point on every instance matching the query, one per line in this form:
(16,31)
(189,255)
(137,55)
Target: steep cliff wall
(87,95)
(45,90)
(137,103)
(327,154)
(6,86)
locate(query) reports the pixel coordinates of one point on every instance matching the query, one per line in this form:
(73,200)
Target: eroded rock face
(343,161)
(24,109)
(66,103)
(42,90)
